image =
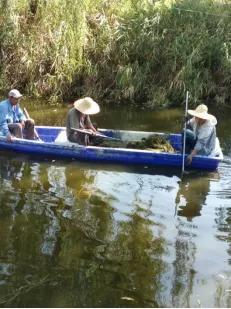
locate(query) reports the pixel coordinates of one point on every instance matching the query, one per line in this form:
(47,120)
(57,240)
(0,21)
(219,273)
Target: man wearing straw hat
(201,136)
(78,118)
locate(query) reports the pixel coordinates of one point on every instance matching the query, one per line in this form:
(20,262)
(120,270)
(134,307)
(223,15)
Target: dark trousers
(190,140)
(17,130)
(84,139)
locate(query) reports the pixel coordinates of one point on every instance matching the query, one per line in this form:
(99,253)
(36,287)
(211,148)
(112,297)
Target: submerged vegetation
(136,51)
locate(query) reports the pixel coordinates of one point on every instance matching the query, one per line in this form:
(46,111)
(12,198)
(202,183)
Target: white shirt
(206,135)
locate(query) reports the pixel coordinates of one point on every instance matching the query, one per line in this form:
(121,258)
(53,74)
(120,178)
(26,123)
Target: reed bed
(138,52)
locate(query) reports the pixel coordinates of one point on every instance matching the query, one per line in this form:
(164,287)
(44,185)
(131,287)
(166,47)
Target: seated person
(78,118)
(13,122)
(201,133)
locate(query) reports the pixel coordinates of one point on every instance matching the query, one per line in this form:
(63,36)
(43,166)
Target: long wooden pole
(85,131)
(28,117)
(184,142)
(184,133)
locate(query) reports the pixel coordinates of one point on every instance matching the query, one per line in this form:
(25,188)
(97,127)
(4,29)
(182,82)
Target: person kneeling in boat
(13,122)
(78,118)
(201,134)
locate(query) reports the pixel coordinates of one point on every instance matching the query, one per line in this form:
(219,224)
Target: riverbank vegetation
(132,51)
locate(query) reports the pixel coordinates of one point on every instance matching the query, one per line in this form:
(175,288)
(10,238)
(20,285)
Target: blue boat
(53,143)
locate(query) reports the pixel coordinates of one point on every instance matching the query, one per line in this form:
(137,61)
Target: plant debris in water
(153,143)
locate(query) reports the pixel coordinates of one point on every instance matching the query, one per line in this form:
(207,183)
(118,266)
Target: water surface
(79,234)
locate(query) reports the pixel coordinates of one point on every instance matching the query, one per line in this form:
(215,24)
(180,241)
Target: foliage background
(124,51)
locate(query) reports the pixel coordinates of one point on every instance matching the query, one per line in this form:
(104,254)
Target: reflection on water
(79,235)
(68,239)
(88,235)
(191,196)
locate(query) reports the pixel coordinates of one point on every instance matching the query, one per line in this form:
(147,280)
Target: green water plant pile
(134,51)
(153,142)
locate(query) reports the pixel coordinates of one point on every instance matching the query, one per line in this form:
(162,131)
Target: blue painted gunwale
(48,147)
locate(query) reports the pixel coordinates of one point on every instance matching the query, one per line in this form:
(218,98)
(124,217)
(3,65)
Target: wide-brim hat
(202,112)
(87,106)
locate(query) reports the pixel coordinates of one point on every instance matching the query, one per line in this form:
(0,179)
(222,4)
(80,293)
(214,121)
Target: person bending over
(201,133)
(78,118)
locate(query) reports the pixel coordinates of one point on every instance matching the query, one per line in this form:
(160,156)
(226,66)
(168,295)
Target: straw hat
(87,106)
(202,112)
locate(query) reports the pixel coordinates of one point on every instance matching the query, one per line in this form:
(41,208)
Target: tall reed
(119,50)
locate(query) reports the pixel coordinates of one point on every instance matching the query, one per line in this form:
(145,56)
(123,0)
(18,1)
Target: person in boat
(13,122)
(201,136)
(78,118)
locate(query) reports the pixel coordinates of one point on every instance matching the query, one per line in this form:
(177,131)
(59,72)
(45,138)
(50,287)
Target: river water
(79,234)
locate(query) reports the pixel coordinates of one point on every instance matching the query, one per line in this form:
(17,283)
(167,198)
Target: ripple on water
(222,189)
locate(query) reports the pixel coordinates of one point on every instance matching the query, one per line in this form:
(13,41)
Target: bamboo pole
(184,133)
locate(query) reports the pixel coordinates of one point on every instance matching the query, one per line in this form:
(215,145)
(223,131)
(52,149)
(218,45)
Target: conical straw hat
(201,112)
(87,106)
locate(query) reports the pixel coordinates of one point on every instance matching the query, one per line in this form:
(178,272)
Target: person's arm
(4,127)
(4,130)
(21,116)
(190,123)
(202,139)
(192,154)
(73,119)
(89,124)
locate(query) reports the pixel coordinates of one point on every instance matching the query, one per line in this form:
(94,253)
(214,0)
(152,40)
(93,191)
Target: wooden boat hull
(51,146)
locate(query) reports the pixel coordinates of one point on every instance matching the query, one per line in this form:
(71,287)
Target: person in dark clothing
(78,118)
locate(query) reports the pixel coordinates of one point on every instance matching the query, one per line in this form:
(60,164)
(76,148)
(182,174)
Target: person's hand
(9,138)
(189,159)
(92,132)
(22,124)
